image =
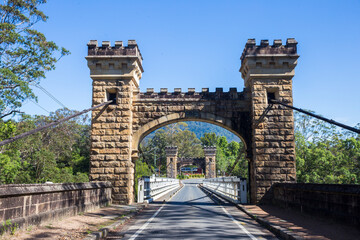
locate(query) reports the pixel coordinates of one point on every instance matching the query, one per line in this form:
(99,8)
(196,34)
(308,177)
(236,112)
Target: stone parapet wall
(251,49)
(118,49)
(337,201)
(32,204)
(219,93)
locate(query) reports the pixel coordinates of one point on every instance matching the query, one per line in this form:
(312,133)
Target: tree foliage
(325,153)
(190,146)
(25,53)
(177,134)
(230,157)
(57,154)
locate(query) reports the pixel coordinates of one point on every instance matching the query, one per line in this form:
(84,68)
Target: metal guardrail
(152,188)
(232,188)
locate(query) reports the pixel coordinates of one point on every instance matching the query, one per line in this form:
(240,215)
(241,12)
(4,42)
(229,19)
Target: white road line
(242,227)
(146,224)
(134,236)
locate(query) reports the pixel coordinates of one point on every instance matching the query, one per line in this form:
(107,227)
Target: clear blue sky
(199,43)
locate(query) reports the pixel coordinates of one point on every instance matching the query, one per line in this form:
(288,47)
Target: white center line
(237,223)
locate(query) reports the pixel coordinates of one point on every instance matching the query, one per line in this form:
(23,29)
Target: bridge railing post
(232,188)
(156,187)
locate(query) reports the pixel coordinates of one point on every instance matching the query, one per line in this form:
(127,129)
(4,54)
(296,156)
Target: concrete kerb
(280,232)
(103,233)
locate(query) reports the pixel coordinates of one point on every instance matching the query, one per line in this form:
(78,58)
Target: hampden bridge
(117,131)
(260,115)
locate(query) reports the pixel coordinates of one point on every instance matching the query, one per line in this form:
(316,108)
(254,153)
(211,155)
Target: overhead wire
(12,139)
(49,94)
(39,105)
(273,101)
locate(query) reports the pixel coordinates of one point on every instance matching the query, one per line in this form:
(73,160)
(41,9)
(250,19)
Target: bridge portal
(173,163)
(118,129)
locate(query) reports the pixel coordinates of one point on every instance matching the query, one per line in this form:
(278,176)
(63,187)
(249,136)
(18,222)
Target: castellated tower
(116,72)
(267,71)
(210,162)
(171,161)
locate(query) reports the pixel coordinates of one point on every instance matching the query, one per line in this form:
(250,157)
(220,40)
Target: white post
(140,190)
(243,190)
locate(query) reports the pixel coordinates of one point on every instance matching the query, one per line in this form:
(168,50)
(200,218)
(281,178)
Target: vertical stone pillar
(268,72)
(210,162)
(115,71)
(171,161)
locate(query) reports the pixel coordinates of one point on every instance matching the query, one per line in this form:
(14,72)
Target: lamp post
(154,151)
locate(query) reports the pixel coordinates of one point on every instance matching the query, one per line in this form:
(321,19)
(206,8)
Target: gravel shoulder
(75,227)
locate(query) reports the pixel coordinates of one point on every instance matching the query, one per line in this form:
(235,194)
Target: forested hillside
(200,128)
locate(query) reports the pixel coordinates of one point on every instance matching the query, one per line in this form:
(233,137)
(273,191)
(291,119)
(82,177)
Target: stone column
(210,162)
(171,161)
(268,72)
(115,71)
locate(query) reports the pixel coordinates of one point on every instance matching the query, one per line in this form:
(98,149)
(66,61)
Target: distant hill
(199,128)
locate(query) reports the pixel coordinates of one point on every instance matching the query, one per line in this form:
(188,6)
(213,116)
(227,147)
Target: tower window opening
(271,96)
(111,96)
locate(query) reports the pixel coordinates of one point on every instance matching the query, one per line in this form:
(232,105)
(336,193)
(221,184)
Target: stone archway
(267,71)
(173,163)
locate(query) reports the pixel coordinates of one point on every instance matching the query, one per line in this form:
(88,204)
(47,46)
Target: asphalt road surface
(190,214)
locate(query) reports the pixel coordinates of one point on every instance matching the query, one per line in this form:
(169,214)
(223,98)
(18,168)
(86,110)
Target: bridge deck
(192,215)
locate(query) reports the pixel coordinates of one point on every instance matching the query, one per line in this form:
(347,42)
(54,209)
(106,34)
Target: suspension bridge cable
(39,105)
(49,94)
(317,116)
(10,140)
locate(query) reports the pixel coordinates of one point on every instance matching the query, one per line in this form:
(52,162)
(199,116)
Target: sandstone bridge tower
(118,129)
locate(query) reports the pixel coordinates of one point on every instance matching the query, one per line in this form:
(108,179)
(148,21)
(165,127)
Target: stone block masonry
(118,129)
(32,204)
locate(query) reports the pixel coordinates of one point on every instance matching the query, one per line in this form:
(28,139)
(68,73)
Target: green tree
(175,134)
(57,154)
(209,139)
(324,153)
(188,144)
(25,53)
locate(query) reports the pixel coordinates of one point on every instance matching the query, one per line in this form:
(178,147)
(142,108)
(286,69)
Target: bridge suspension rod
(25,134)
(317,116)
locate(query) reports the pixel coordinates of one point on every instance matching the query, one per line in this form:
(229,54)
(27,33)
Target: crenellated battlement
(268,61)
(209,151)
(191,93)
(118,49)
(251,49)
(116,62)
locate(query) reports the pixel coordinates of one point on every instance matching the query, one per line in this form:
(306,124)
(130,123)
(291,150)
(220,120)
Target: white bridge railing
(152,188)
(231,188)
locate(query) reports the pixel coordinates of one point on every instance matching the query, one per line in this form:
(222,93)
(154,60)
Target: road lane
(190,214)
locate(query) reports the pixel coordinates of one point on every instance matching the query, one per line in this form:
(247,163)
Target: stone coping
(26,189)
